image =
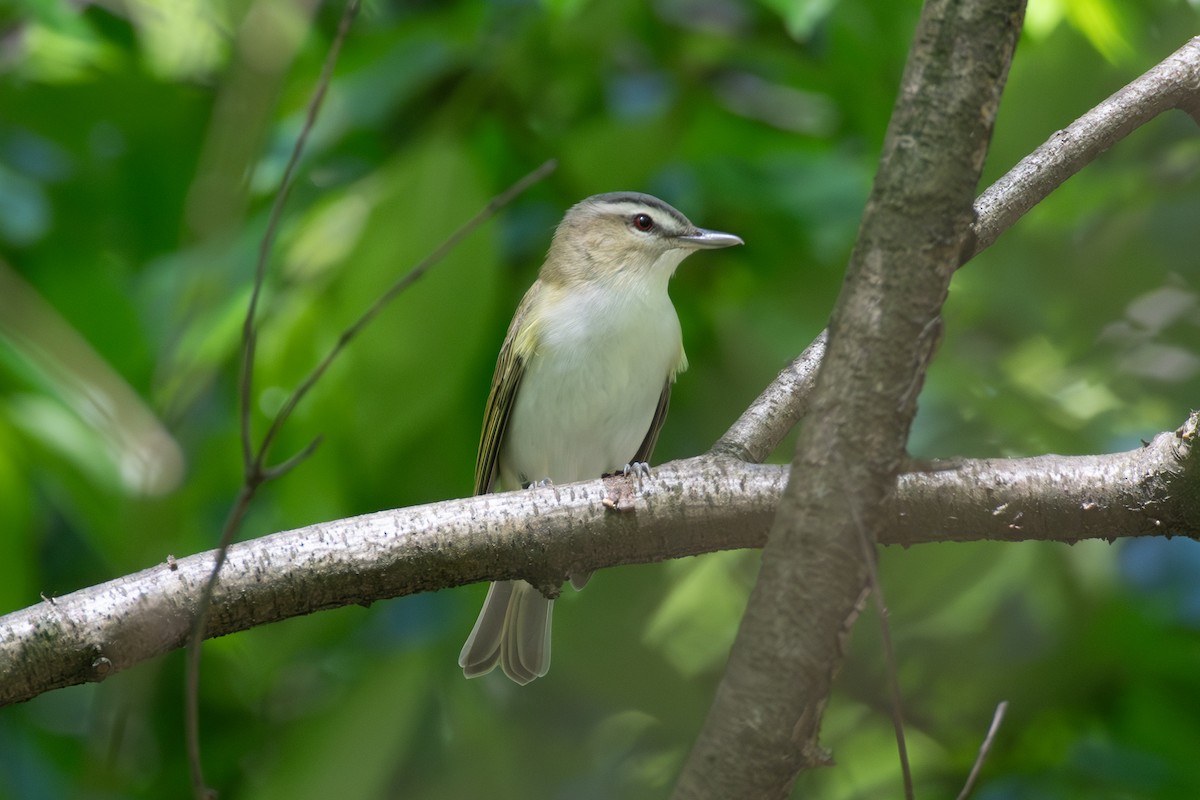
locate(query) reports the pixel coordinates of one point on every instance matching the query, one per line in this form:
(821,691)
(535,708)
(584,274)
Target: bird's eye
(643,222)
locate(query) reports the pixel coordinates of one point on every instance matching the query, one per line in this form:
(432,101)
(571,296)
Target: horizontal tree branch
(689,507)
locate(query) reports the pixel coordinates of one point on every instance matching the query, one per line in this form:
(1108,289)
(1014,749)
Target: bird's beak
(709,240)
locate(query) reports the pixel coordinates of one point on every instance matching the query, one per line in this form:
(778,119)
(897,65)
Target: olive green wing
(646,449)
(660,416)
(510,367)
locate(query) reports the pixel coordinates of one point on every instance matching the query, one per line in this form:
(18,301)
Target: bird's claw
(624,498)
(638,469)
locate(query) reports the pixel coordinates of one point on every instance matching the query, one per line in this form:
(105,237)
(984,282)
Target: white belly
(590,390)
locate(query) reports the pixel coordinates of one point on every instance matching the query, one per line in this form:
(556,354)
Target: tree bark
(1173,84)
(689,507)
(762,728)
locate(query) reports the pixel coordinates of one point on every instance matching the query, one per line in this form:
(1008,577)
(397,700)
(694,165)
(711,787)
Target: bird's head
(625,237)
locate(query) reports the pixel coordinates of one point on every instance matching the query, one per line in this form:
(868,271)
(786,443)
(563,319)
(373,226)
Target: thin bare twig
(249,330)
(871,559)
(486,213)
(984,748)
(192,681)
(258,473)
(251,466)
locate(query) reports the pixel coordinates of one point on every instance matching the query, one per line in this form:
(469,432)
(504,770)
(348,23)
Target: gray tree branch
(1174,83)
(694,506)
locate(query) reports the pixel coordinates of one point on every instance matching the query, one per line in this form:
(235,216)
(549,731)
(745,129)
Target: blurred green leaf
(694,625)
(801,16)
(1104,24)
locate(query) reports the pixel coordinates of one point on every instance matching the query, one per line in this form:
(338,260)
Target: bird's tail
(513,630)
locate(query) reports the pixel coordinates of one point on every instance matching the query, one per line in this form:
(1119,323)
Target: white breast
(589,391)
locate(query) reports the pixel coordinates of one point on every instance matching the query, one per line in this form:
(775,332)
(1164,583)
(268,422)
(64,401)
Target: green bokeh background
(141,145)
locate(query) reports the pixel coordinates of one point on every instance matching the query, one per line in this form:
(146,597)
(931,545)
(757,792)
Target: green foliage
(141,146)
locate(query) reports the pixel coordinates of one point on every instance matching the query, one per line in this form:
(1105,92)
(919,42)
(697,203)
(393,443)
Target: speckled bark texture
(1172,84)
(689,507)
(763,724)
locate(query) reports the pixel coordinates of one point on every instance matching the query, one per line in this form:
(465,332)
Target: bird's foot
(639,469)
(622,498)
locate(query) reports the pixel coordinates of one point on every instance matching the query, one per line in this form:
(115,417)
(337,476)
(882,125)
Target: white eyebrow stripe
(663,216)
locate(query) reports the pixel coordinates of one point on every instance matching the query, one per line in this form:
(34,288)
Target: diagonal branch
(762,426)
(255,468)
(252,465)
(762,728)
(1174,83)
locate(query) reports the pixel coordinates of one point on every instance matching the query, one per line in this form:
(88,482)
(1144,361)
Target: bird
(581,386)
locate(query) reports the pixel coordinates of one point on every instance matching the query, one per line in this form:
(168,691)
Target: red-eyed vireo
(581,385)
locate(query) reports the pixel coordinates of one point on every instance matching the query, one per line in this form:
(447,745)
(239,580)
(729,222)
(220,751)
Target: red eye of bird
(643,222)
